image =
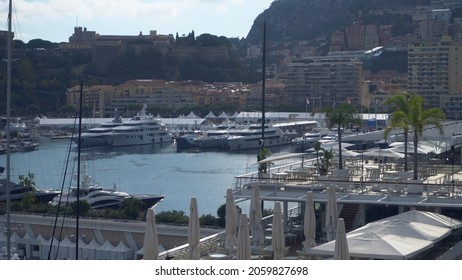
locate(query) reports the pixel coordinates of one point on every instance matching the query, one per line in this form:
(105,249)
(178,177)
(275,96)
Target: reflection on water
(112,152)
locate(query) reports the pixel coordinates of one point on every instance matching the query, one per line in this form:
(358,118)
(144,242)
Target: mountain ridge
(300,20)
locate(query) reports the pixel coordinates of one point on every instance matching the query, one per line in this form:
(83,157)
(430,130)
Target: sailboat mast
(77,219)
(8,136)
(263,88)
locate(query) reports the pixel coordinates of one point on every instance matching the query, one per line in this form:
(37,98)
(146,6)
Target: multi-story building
(85,39)
(105,99)
(323,81)
(371,36)
(433,30)
(435,71)
(355,36)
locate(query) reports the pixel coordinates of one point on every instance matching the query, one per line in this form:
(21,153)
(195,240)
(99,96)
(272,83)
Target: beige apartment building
(104,99)
(322,81)
(435,71)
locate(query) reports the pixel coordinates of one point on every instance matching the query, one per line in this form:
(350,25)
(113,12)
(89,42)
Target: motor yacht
(251,138)
(94,136)
(308,140)
(142,129)
(217,137)
(17,192)
(99,197)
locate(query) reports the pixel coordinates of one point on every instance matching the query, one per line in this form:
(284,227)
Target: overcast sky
(54,20)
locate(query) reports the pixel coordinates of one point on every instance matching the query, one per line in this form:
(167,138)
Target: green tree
(174,216)
(341,117)
(131,207)
(262,154)
(325,161)
(399,119)
(84,207)
(207,220)
(221,213)
(416,117)
(27,181)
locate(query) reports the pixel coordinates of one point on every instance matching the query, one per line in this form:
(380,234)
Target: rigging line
(16,23)
(58,207)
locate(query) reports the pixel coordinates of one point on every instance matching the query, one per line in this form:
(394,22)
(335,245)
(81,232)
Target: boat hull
(119,140)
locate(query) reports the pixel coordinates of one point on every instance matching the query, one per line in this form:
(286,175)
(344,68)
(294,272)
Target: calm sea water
(140,169)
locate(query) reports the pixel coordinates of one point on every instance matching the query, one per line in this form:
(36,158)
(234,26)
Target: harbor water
(138,170)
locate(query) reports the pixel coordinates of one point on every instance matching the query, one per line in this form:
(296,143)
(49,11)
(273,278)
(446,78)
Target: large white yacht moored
(251,138)
(142,129)
(94,136)
(217,137)
(309,139)
(98,197)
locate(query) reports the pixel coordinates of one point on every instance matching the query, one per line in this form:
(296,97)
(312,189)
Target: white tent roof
(426,217)
(399,237)
(281,156)
(104,251)
(370,245)
(223,115)
(41,239)
(191,115)
(389,153)
(410,148)
(210,115)
(121,251)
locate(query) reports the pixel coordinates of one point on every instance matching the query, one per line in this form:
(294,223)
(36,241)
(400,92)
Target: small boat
(24,146)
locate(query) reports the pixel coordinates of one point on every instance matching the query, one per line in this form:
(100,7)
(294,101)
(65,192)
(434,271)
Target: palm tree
(399,119)
(341,117)
(411,115)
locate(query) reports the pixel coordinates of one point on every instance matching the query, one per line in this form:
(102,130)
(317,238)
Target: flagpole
(376,121)
(306,107)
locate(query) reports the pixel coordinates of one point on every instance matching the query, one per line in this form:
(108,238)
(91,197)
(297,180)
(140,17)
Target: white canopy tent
(223,115)
(89,250)
(369,245)
(210,115)
(104,251)
(191,115)
(281,156)
(426,217)
(403,236)
(122,252)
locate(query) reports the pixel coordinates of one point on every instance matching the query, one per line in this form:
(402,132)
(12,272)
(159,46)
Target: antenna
(77,21)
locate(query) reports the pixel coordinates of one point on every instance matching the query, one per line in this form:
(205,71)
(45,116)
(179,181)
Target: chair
(415,187)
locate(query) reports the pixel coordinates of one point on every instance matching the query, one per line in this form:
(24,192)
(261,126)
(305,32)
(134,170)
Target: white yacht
(309,139)
(142,129)
(99,197)
(217,138)
(94,136)
(251,138)
(17,192)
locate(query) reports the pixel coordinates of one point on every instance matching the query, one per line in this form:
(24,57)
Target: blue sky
(54,20)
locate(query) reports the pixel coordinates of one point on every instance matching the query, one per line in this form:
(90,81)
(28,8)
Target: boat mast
(263,88)
(8,136)
(78,175)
